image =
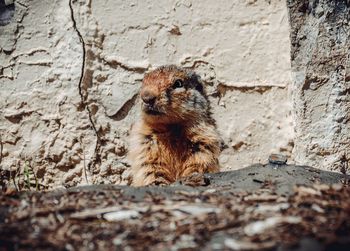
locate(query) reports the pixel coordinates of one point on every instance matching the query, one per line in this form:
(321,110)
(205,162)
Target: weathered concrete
(70,72)
(320,36)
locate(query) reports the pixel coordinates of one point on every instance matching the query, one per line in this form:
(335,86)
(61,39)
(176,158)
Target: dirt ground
(262,207)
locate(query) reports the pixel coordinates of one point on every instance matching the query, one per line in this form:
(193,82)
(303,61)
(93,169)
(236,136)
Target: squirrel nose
(148,98)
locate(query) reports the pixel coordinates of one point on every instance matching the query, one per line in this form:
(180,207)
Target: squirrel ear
(199,87)
(197,83)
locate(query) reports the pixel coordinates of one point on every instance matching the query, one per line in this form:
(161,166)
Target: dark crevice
(125,109)
(7,12)
(1,148)
(84,51)
(115,64)
(21,4)
(261,89)
(83,97)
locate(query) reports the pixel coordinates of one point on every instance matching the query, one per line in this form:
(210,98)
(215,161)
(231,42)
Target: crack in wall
(1,148)
(115,64)
(96,157)
(261,89)
(125,109)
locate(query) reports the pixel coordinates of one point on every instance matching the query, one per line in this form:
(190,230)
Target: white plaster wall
(70,73)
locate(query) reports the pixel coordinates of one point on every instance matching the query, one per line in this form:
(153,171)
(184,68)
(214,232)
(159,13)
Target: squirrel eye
(178,84)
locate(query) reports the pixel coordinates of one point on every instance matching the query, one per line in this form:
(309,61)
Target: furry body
(176,135)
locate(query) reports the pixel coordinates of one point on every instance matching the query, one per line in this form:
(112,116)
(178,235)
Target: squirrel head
(172,95)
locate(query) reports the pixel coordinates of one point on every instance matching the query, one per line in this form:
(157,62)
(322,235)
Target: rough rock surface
(256,208)
(320,37)
(70,72)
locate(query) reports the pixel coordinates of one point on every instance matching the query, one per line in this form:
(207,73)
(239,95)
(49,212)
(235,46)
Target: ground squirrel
(176,135)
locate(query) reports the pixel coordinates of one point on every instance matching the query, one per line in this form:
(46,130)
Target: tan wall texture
(70,73)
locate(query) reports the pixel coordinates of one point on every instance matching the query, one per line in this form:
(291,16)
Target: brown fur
(176,135)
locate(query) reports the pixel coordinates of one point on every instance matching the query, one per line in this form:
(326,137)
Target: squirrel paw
(195,179)
(160,181)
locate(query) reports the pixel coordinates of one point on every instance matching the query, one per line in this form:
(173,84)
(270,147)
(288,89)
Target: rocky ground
(262,207)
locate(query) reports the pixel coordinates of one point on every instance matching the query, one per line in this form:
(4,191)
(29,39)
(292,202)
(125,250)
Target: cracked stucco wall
(70,72)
